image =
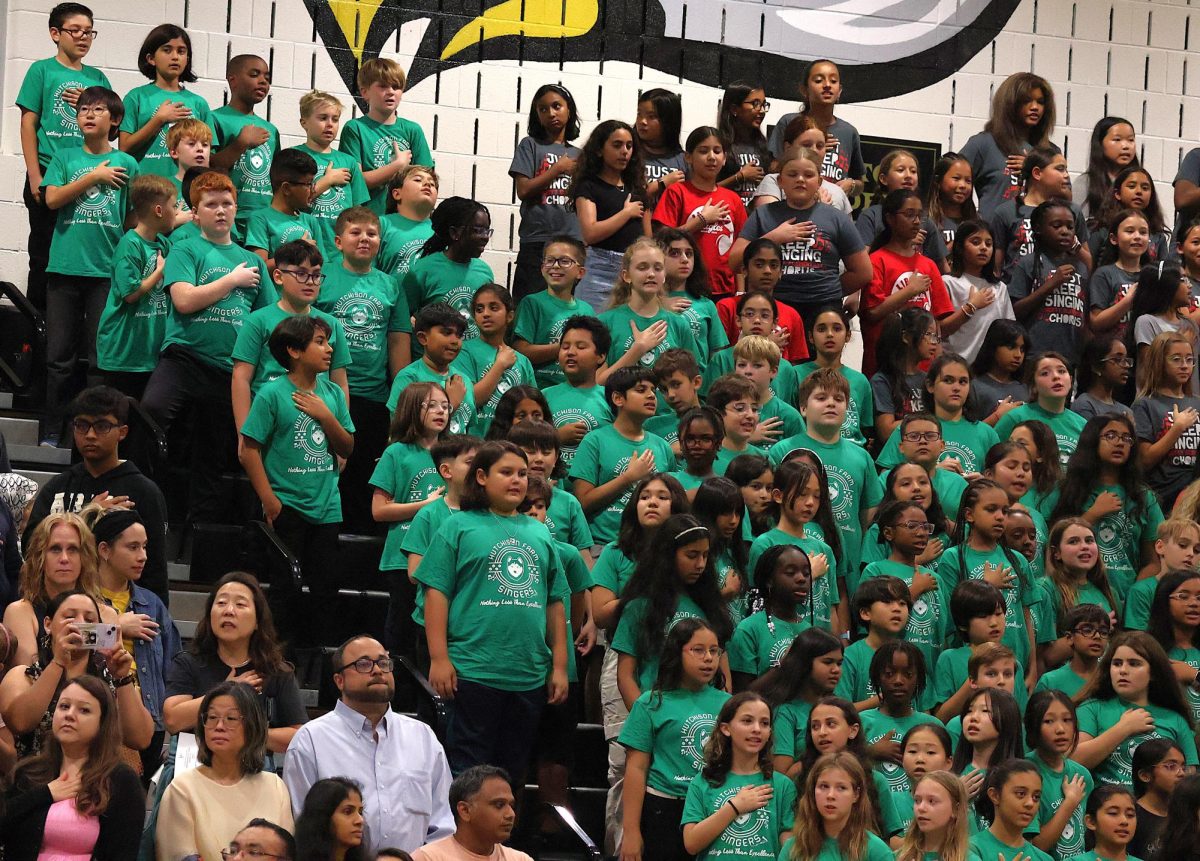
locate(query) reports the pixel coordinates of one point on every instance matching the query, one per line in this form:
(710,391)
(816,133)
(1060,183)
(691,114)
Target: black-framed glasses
(315,278)
(236,851)
(1117,436)
(758,104)
(1120,361)
(1101,631)
(559,262)
(921,436)
(79,32)
(101,426)
(366,665)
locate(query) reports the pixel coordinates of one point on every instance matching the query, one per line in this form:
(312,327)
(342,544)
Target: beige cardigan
(199,816)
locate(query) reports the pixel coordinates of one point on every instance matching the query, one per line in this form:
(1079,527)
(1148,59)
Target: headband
(691,529)
(114,523)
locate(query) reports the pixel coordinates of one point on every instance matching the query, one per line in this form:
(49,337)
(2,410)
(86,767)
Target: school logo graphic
(384,151)
(747,830)
(918,43)
(778,650)
(694,736)
(840,494)
(96,202)
(423,483)
(515,569)
(255,166)
(961,453)
(405,255)
(921,300)
(64,112)
(332,201)
(361,315)
(308,438)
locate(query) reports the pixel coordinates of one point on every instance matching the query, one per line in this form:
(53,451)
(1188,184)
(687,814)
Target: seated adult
(262,839)
(76,799)
(330,824)
(29,693)
(204,808)
(235,640)
(482,800)
(60,555)
(398,761)
(147,629)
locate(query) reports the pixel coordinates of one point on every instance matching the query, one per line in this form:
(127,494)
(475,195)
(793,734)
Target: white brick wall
(1143,73)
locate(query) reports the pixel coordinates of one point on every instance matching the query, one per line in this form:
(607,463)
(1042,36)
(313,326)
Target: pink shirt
(449,849)
(69,836)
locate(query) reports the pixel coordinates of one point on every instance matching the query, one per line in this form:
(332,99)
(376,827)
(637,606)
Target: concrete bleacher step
(36,475)
(40,455)
(19,431)
(6,400)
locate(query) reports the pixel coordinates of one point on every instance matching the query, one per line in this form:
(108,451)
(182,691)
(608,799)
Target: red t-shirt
(797,348)
(683,200)
(890,273)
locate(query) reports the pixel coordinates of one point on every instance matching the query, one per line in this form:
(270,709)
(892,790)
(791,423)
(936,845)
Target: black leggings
(662,833)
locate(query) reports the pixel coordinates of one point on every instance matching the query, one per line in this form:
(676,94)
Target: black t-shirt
(610,200)
(189,675)
(1148,835)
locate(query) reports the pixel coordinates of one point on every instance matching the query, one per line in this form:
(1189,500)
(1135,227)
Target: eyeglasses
(101,427)
(79,32)
(559,262)
(932,337)
(751,314)
(305,277)
(1117,436)
(921,436)
(1101,631)
(91,111)
(1121,361)
(482,232)
(706,438)
(365,665)
(742,409)
(1186,597)
(231,721)
(917,526)
(758,105)
(1170,766)
(702,652)
(685,253)
(249,852)
(1182,360)
(436,406)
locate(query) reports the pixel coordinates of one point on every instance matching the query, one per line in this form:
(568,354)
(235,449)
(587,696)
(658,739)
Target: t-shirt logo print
(745,830)
(513,567)
(920,301)
(65,112)
(694,736)
(96,200)
(332,201)
(309,437)
(360,316)
(384,152)
(723,227)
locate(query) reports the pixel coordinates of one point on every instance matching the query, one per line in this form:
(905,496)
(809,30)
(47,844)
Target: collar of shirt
(360,724)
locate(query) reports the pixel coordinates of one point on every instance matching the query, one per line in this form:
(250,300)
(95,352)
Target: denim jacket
(153,657)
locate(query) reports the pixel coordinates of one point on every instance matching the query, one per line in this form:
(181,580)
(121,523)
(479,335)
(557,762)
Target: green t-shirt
(1120,535)
(965,440)
(406,472)
(854,485)
(874,550)
(986,847)
(540,319)
(1095,856)
(141,103)
(1096,716)
(751,835)
(726,456)
(613,569)
(667,427)
(760,641)
(437,278)
(855,682)
(791,727)
(877,850)
(133,331)
(369,307)
(251,345)
(499,575)
(1070,844)
(1191,657)
(300,467)
(251,173)
(566,522)
(1066,425)
(1023,595)
(400,241)
(579,579)
(41,93)
(1061,679)
(823,596)
(679,334)
(421,530)
(876,725)
(673,727)
(333,201)
(268,228)
(951,672)
(860,411)
(949,487)
(777,408)
(927,620)
(190,230)
(1137,603)
(372,144)
(625,638)
(702,318)
(602,456)
(88,228)
(181,205)
(420,372)
(1085,593)
(211,332)
(570,404)
(477,356)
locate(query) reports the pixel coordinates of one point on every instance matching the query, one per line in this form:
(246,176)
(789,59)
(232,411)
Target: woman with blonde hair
(834,814)
(940,827)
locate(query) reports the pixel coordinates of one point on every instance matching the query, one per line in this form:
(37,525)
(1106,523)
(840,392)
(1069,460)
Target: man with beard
(398,761)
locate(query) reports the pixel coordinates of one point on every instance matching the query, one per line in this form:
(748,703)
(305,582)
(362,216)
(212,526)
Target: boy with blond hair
(1177,546)
(760,361)
(340,182)
(190,144)
(381,142)
(411,200)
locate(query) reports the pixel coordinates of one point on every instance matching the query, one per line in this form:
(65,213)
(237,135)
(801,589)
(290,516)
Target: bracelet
(127,680)
(736,812)
(703,220)
(969,309)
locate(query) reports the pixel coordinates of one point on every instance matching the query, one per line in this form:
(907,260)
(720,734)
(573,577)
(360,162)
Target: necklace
(503,527)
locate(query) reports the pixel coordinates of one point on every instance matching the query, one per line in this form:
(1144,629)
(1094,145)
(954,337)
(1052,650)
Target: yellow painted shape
(346,12)
(543,19)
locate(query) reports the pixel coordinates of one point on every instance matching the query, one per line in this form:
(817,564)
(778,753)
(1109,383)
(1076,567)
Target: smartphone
(98,635)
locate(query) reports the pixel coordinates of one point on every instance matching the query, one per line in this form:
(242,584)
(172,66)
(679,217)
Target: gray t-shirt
(1152,417)
(1108,286)
(548,216)
(870,225)
(1150,326)
(1090,407)
(1058,324)
(740,155)
(989,173)
(844,160)
(1189,169)
(987,392)
(658,166)
(1012,232)
(810,269)
(881,391)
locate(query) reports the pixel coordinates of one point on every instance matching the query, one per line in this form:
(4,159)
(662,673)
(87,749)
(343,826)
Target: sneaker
(49,441)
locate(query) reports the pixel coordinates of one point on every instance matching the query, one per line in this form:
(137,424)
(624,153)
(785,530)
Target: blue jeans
(603,267)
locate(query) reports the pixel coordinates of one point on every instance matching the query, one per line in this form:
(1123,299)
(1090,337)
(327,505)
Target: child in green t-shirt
(612,459)
(298,278)
(565,518)
(991,735)
(88,186)
(189,143)
(882,605)
(1051,388)
(578,405)
(134,319)
(381,142)
(439,329)
(829,332)
(677,375)
(758,359)
(47,100)
(1111,840)
(735,400)
(1005,801)
(493,365)
(296,427)
(373,314)
(699,439)
(246,143)
(406,227)
(1086,628)
(976,610)
(1177,546)
(921,442)
(898,673)
(448,268)
(165,57)
(540,316)
(1066,784)
(287,218)
(340,182)
(783,587)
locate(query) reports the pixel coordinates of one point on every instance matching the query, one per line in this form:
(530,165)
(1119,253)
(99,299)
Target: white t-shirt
(838,200)
(969,337)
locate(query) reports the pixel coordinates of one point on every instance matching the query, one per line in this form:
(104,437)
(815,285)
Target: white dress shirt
(400,764)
